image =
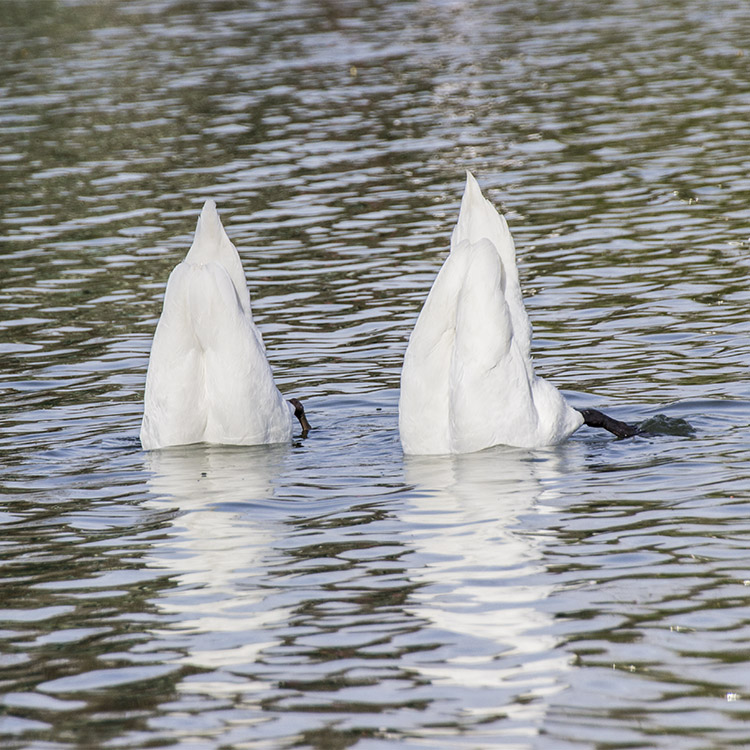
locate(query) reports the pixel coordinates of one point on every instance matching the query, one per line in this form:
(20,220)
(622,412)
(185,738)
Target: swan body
(467,381)
(208,377)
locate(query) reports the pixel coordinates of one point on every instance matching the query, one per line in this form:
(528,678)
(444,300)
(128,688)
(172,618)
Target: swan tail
(211,244)
(478,219)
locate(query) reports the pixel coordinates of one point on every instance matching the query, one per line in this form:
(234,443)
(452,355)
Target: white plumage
(468,381)
(208,377)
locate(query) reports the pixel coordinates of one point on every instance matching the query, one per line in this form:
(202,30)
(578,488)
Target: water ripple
(332,592)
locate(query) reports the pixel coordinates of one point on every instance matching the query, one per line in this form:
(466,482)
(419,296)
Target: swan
(467,381)
(208,378)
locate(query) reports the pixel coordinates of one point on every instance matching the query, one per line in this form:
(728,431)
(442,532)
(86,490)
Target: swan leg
(594,418)
(299,412)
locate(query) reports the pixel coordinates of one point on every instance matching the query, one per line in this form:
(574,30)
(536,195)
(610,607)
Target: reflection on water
(330,593)
(222,536)
(417,611)
(480,585)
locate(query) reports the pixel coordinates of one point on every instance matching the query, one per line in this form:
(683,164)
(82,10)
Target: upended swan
(208,377)
(467,381)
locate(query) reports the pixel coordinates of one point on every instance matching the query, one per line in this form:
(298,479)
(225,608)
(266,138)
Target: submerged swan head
(467,381)
(208,376)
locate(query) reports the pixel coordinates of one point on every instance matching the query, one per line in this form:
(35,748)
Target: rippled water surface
(333,593)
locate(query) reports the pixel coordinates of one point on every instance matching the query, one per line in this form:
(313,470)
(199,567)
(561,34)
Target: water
(332,593)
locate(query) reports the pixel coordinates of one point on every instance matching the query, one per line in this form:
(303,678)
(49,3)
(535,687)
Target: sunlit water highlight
(333,593)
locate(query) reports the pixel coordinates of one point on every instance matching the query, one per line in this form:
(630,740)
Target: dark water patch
(661,424)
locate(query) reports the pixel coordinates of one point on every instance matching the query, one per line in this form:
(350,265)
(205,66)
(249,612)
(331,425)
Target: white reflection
(484,582)
(219,548)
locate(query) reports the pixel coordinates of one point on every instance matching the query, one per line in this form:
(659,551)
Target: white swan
(467,381)
(208,377)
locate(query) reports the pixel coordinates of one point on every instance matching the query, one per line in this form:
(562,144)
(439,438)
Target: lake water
(333,593)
